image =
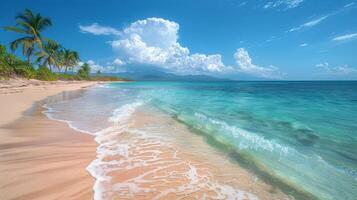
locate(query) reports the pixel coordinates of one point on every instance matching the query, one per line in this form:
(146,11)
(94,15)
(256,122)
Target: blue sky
(256,39)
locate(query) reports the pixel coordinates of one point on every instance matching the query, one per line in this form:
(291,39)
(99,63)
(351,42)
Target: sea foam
(99,168)
(159,160)
(118,155)
(49,112)
(247,140)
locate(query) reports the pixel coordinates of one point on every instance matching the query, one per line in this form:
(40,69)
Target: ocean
(219,140)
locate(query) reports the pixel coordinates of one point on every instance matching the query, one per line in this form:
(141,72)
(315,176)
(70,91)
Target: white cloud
(286,4)
(324,65)
(273,38)
(349,5)
(242,4)
(322,18)
(111,67)
(338,70)
(96,29)
(94,67)
(309,24)
(245,65)
(345,37)
(118,62)
(154,41)
(314,22)
(304,45)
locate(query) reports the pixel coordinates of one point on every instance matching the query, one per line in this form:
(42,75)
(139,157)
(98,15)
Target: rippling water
(301,133)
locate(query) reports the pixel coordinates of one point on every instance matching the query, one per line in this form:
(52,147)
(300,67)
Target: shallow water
(303,134)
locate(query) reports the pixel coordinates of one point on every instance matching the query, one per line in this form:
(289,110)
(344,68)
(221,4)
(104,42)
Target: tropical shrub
(5,69)
(69,77)
(11,65)
(44,74)
(24,70)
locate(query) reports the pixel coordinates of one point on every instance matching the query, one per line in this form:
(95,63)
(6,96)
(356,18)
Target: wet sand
(159,158)
(155,157)
(41,158)
(16,96)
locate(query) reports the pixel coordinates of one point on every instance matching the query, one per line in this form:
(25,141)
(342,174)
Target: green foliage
(69,59)
(44,74)
(69,77)
(30,25)
(25,70)
(83,72)
(5,69)
(2,50)
(12,65)
(49,55)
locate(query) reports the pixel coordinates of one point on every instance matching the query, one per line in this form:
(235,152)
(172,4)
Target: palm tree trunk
(65,70)
(29,53)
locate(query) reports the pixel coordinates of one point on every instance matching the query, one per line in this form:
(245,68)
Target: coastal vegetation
(52,60)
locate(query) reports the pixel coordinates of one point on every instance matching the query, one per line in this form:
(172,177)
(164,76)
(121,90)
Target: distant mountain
(163,76)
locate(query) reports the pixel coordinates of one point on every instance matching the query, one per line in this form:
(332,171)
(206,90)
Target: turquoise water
(304,133)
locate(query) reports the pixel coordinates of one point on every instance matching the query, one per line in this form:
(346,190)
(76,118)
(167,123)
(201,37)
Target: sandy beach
(18,95)
(41,158)
(146,154)
(45,159)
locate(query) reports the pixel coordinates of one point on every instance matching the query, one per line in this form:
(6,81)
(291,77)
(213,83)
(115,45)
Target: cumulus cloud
(154,41)
(245,65)
(96,29)
(345,37)
(286,4)
(116,62)
(309,24)
(94,67)
(338,70)
(304,45)
(110,67)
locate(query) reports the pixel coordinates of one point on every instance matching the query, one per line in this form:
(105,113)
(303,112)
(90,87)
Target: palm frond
(44,23)
(14,44)
(15,29)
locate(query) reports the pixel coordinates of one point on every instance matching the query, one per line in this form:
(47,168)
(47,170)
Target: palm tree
(84,71)
(50,54)
(30,25)
(69,58)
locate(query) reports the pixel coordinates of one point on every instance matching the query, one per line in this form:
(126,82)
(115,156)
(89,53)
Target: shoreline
(39,157)
(252,166)
(18,95)
(25,147)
